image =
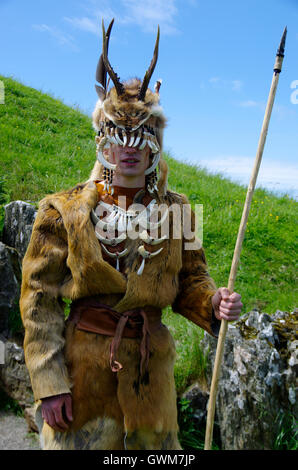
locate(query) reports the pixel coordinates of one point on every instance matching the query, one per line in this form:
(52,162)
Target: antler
(105,39)
(150,70)
(101,71)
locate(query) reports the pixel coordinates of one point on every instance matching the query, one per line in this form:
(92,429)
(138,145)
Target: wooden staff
(240,237)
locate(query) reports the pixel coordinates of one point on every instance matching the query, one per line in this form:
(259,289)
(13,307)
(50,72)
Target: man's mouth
(130,161)
(130,158)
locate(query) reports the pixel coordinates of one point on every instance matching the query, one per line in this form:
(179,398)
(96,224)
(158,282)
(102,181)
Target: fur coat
(64,260)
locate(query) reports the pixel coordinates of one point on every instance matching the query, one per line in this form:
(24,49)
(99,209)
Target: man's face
(130,161)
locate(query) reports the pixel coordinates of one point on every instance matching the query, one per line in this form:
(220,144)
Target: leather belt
(90,315)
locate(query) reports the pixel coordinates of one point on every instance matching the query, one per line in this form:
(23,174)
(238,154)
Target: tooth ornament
(124,138)
(119,141)
(112,241)
(116,255)
(138,138)
(112,136)
(143,144)
(132,139)
(103,225)
(146,255)
(146,224)
(112,216)
(101,158)
(152,143)
(154,164)
(94,217)
(143,216)
(149,240)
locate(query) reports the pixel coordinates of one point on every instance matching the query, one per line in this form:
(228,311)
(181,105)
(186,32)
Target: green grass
(191,436)
(9,404)
(287,438)
(46,146)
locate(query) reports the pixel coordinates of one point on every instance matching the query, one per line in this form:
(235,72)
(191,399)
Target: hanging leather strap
(92,316)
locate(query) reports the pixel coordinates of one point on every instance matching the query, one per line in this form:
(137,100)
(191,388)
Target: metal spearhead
(281,49)
(280,53)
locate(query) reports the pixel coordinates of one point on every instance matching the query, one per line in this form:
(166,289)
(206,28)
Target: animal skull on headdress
(129,113)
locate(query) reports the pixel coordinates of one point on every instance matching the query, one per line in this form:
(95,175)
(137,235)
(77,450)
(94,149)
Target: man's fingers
(228,316)
(224,292)
(231,305)
(68,408)
(234,297)
(51,421)
(230,312)
(59,421)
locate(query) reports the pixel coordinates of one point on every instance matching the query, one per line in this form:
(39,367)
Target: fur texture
(64,259)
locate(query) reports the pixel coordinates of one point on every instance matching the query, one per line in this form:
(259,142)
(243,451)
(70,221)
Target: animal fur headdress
(128,114)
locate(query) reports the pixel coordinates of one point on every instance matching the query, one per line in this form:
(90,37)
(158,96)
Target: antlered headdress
(129,114)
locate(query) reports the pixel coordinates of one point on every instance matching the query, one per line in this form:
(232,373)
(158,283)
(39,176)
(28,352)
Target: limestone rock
(14,376)
(10,280)
(258,381)
(18,223)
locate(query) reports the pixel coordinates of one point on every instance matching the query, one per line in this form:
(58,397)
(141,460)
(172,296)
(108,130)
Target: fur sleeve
(196,287)
(41,306)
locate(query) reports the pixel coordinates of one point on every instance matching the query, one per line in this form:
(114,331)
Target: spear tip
(281,49)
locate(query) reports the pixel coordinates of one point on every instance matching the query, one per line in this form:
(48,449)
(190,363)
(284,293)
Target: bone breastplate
(129,213)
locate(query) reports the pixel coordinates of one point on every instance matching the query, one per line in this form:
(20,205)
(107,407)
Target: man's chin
(131,174)
(134,170)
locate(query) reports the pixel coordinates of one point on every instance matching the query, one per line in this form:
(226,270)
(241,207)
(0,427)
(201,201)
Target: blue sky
(216,62)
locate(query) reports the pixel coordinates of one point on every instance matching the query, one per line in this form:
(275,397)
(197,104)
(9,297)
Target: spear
(240,237)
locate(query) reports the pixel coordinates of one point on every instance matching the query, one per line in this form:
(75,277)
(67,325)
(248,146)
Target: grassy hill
(46,146)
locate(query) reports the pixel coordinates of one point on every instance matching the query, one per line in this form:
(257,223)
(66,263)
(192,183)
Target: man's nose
(130,150)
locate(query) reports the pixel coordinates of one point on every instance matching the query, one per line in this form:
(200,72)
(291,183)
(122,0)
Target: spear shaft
(239,241)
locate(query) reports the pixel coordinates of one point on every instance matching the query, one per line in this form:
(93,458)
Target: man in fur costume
(104,379)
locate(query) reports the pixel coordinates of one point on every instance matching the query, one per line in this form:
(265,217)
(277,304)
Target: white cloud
(234,85)
(273,175)
(214,80)
(86,24)
(237,85)
(148,15)
(145,15)
(249,104)
(281,111)
(62,38)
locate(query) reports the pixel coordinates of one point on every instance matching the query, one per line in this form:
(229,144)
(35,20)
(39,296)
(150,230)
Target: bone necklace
(124,221)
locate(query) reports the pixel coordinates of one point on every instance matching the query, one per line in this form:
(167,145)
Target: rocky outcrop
(14,376)
(258,382)
(18,223)
(10,280)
